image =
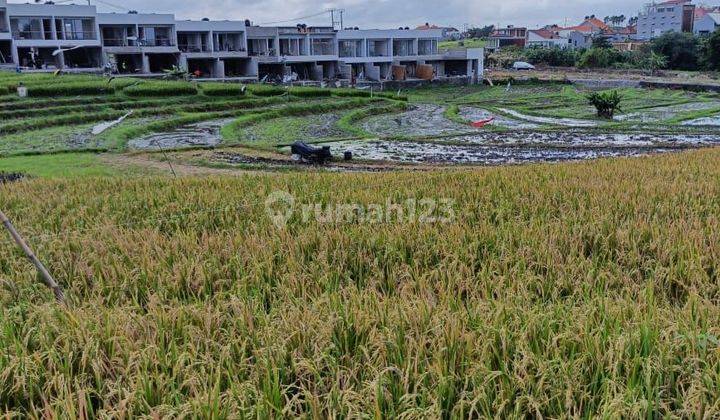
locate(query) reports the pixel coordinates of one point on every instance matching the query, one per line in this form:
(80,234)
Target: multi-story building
(54,36)
(41,37)
(215,49)
(511,36)
(669,16)
(6,50)
(139,43)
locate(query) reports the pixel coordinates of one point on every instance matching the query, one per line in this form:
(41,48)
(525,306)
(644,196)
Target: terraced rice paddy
(531,123)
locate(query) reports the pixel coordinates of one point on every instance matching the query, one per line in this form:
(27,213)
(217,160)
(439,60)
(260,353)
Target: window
(26,28)
(79,29)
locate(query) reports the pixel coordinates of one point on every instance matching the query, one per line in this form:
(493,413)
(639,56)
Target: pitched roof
(669,2)
(580,28)
(544,33)
(595,22)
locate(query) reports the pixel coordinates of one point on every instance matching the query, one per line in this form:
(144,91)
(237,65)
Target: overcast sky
(390,13)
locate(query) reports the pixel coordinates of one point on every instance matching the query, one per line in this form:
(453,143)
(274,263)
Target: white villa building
(43,37)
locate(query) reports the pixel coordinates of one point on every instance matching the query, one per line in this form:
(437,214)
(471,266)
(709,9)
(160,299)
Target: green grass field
(566,290)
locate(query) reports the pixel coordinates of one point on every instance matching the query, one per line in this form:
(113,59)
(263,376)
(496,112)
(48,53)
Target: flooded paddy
(714,121)
(666,112)
(206,133)
(477,114)
(419,120)
(421,152)
(567,122)
(586,139)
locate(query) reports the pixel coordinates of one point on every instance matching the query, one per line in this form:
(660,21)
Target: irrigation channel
(424,134)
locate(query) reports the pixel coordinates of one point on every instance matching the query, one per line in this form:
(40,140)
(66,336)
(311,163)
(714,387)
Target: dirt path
(160,167)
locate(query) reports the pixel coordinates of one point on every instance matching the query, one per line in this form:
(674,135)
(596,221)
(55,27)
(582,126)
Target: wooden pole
(47,279)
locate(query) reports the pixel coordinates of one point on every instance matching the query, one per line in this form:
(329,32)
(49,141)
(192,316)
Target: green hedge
(161,89)
(222,89)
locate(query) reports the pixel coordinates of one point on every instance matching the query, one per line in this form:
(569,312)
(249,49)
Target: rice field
(572,290)
(565,290)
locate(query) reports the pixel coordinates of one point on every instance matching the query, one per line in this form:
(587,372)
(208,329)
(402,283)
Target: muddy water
(666,112)
(202,134)
(567,122)
(714,120)
(579,139)
(476,114)
(409,152)
(420,120)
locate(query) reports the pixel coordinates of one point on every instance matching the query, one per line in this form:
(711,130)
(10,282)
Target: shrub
(711,56)
(600,58)
(606,103)
(552,56)
(222,89)
(682,50)
(161,89)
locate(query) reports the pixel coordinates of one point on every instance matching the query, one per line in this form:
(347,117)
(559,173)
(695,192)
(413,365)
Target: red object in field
(483,123)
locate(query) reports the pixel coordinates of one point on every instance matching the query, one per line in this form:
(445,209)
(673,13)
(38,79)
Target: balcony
(23,35)
(80,35)
(192,48)
(118,42)
(156,42)
(324,47)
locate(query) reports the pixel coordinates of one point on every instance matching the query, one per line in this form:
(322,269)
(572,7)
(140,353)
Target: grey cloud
(393,13)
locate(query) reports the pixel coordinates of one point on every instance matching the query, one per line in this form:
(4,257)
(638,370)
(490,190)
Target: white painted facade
(707,24)
(49,36)
(659,18)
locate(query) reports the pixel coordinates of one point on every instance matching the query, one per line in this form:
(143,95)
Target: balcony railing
(190,48)
(229,48)
(156,43)
(79,36)
(117,42)
(21,35)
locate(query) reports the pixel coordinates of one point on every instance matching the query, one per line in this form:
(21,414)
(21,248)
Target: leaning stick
(47,279)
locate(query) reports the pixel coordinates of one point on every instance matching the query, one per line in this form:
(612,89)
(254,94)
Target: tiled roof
(544,33)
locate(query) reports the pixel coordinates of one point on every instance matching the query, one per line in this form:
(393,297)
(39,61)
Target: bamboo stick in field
(48,280)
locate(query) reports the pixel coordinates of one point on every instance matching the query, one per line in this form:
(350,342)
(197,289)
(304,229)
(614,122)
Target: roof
(580,28)
(715,16)
(596,23)
(544,33)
